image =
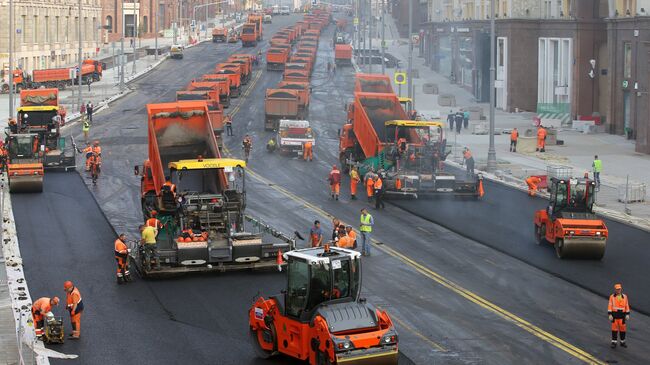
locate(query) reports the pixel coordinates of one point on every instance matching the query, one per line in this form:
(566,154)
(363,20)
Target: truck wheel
(559,248)
(257,338)
(540,234)
(5,88)
(322,359)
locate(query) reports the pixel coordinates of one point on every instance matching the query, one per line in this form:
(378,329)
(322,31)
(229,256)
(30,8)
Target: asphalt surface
(202,319)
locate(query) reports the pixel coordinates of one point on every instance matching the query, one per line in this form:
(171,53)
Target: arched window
(109,24)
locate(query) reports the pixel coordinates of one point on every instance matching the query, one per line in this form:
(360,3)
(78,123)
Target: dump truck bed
(371,112)
(373,83)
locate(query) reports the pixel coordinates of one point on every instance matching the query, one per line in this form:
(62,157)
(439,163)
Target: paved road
(201,319)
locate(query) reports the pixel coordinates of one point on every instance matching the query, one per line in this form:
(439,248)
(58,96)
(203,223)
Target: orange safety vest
(541,133)
(97,149)
(74,298)
(120,248)
(154,222)
(618,304)
(42,306)
(172,187)
(378,184)
(514,135)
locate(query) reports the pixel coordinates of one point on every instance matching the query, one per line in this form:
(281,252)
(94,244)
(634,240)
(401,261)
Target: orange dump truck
(343,54)
(246,68)
(296,75)
(302,88)
(362,140)
(235,79)
(60,78)
(373,83)
(209,233)
(280,104)
(219,35)
(224,87)
(276,58)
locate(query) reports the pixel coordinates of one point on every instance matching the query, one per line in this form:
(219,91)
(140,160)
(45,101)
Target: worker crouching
(618,311)
(41,309)
(533,182)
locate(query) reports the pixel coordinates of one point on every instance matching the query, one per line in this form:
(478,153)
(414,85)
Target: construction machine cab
(571,196)
(417,139)
(320,275)
(23,147)
(36,118)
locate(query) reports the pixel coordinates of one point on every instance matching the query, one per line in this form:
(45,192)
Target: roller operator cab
(569,222)
(320,317)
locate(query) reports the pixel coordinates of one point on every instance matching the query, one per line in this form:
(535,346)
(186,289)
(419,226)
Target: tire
(255,337)
(5,88)
(322,359)
(540,234)
(559,248)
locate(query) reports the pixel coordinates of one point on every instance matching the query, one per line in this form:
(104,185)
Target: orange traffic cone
(481,192)
(279,260)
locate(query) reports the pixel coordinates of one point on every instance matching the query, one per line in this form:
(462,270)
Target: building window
(67,29)
(94,30)
(35,30)
(554,73)
(627,60)
(47,29)
(109,24)
(56,35)
(23,30)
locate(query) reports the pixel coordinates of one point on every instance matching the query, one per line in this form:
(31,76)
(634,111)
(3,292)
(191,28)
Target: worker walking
(379,193)
(468,160)
(247,145)
(41,309)
(122,258)
(354,181)
(618,311)
(228,122)
(514,136)
(75,307)
(307,151)
(458,119)
(598,167)
(335,182)
(450,120)
(465,119)
(148,242)
(366,229)
(85,127)
(316,234)
(532,183)
(370,186)
(541,139)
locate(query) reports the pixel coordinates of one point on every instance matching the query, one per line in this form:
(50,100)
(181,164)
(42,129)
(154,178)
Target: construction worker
(307,151)
(618,311)
(354,181)
(334,179)
(401,145)
(75,307)
(541,139)
(344,241)
(365,228)
(468,160)
(271,145)
(42,308)
(316,234)
(13,125)
(228,122)
(94,164)
(169,186)
(370,186)
(122,258)
(3,157)
(88,151)
(598,167)
(514,136)
(62,113)
(148,242)
(335,228)
(379,193)
(153,221)
(247,145)
(96,148)
(352,234)
(85,126)
(532,183)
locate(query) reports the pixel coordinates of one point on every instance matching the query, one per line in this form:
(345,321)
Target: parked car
(268,19)
(284,10)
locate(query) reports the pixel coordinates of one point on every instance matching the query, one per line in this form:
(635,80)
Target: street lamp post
(122,50)
(79,58)
(155,30)
(135,35)
(383,36)
(370,35)
(11,58)
(409,72)
(492,154)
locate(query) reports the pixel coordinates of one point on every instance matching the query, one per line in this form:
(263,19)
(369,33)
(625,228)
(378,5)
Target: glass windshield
(320,285)
(561,195)
(295,132)
(248,30)
(342,271)
(297,287)
(21,146)
(198,181)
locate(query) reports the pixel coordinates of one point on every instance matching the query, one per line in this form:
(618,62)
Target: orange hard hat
(154,213)
(618,286)
(55,300)
(68,284)
(333,166)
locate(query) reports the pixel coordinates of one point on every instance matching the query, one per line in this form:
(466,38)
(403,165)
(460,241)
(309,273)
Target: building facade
(564,59)
(46,32)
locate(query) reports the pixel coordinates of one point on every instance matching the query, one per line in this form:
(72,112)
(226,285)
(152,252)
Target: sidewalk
(618,156)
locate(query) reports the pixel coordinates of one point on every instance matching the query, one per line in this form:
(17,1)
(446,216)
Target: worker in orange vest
(169,186)
(75,307)
(41,308)
(532,183)
(96,148)
(354,181)
(307,151)
(335,182)
(541,139)
(122,258)
(379,193)
(468,160)
(514,136)
(154,222)
(370,186)
(352,234)
(618,311)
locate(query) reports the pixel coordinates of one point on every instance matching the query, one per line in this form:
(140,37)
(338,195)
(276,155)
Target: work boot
(127,278)
(623,344)
(613,345)
(119,280)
